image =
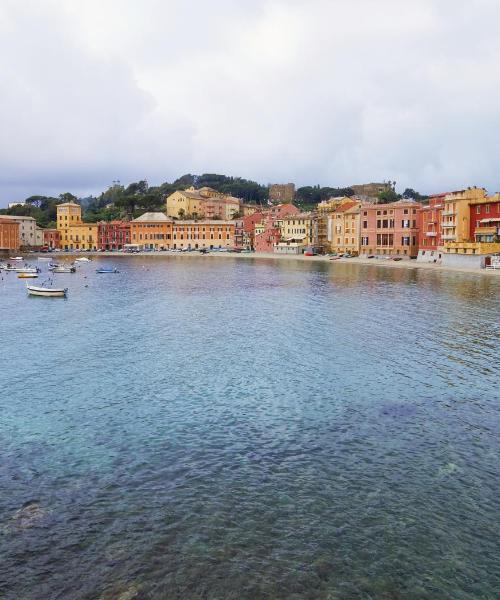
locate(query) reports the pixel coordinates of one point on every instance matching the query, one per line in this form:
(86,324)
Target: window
(405,241)
(405,223)
(478,209)
(365,224)
(364,241)
(405,211)
(487,209)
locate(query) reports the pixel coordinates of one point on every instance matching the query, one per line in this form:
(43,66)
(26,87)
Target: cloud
(312,91)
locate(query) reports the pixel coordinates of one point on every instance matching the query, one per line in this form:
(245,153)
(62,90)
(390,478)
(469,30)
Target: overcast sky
(333,92)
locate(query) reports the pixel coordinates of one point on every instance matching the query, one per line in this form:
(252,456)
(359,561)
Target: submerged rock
(448,469)
(122,592)
(30,515)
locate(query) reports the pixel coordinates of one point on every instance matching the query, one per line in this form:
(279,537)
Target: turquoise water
(215,428)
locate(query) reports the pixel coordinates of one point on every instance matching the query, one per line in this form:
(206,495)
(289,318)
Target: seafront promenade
(378,262)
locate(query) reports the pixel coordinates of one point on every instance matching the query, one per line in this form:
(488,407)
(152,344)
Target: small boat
(16,258)
(23,269)
(25,275)
(107,270)
(48,292)
(83,259)
(62,269)
(44,258)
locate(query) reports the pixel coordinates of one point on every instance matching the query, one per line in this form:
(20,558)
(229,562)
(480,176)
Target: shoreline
(383,263)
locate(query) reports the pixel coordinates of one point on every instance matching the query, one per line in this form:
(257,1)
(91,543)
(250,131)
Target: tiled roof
(153,216)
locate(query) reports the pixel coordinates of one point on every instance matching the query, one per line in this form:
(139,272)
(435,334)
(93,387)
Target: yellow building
(328,206)
(298,227)
(344,228)
(75,234)
(455,222)
(205,202)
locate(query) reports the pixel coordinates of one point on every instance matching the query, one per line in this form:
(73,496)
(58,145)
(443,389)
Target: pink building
(264,242)
(280,211)
(390,229)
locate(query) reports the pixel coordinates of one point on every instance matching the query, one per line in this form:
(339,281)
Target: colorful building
(208,234)
(430,218)
(9,234)
(28,235)
(266,237)
(152,230)
(204,203)
(472,222)
(74,233)
(113,235)
(298,227)
(344,228)
(390,229)
(51,239)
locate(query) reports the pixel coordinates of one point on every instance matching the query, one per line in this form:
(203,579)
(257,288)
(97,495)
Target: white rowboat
(46,291)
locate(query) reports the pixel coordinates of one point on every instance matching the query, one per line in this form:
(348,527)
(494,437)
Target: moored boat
(107,270)
(83,259)
(16,258)
(47,292)
(27,275)
(62,269)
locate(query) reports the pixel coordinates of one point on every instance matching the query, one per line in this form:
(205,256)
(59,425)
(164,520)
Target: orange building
(153,230)
(9,234)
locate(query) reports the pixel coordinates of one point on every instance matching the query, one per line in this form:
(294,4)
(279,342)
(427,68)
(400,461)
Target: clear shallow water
(224,428)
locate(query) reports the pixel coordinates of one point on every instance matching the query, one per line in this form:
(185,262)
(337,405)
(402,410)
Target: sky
(329,92)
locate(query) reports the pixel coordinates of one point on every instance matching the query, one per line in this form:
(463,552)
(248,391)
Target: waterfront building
(298,227)
(390,229)
(204,203)
(456,214)
(291,246)
(472,219)
(430,218)
(344,228)
(281,193)
(113,235)
(267,235)
(204,234)
(51,239)
(74,233)
(9,234)
(27,230)
(152,230)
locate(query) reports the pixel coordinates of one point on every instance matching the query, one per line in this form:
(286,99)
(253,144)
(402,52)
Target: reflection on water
(217,428)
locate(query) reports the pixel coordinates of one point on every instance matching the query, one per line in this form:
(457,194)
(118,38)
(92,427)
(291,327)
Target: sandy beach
(374,262)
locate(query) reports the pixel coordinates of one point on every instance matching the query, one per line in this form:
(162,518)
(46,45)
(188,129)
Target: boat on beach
(47,292)
(83,259)
(107,270)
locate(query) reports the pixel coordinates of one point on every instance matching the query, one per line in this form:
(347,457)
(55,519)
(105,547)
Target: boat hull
(46,292)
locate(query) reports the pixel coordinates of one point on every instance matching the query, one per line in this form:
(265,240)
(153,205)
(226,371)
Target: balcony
(448,237)
(431,234)
(448,225)
(448,213)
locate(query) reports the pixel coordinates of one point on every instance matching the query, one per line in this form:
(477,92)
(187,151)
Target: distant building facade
(390,229)
(9,234)
(204,203)
(282,193)
(74,233)
(28,237)
(344,228)
(370,190)
(51,239)
(113,235)
(430,230)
